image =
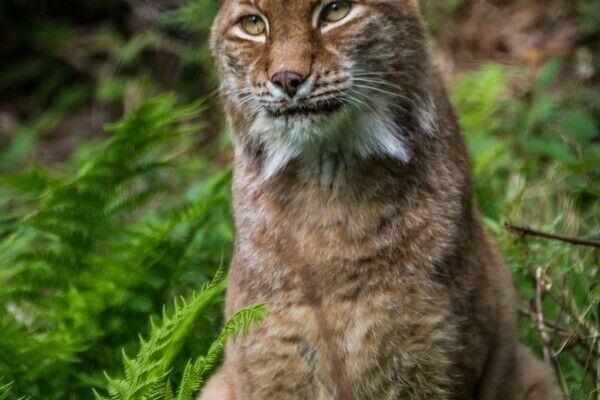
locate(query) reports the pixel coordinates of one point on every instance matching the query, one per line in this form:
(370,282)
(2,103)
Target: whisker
(395,105)
(272,102)
(321,96)
(359,73)
(245,100)
(392,94)
(381,82)
(364,103)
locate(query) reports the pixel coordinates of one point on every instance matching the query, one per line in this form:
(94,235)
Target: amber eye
(335,11)
(253,25)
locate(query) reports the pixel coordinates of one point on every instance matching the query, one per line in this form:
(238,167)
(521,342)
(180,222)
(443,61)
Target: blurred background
(114,179)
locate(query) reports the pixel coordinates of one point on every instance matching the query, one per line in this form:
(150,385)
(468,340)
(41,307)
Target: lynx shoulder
(354,216)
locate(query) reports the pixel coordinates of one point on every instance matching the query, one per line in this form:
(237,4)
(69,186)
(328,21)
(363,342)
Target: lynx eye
(253,25)
(335,11)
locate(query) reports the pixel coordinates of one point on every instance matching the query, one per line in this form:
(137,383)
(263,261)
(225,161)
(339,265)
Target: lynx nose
(288,81)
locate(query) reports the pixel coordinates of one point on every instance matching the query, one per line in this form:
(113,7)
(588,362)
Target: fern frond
(5,390)
(84,260)
(146,374)
(239,323)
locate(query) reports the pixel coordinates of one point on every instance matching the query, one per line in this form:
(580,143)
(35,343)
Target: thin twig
(540,316)
(566,302)
(598,373)
(574,338)
(526,231)
(588,361)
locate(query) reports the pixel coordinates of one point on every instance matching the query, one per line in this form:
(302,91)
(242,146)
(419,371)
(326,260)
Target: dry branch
(526,231)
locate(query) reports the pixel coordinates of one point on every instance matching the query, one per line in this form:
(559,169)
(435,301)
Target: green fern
(194,373)
(5,391)
(147,376)
(84,259)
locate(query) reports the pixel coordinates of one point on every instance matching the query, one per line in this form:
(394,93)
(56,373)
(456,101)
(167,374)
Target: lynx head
(303,77)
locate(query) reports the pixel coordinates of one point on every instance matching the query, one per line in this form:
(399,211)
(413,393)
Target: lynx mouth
(307,109)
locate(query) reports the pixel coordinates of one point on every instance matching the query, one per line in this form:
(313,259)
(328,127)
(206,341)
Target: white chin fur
(349,132)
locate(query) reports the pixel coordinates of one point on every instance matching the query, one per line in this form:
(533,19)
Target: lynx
(354,214)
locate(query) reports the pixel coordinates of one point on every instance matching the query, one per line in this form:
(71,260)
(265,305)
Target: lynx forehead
(306,79)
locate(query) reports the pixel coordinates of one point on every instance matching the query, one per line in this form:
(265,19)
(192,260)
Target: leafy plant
(86,257)
(147,376)
(535,162)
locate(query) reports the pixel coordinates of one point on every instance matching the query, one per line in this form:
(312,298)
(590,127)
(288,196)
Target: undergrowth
(536,163)
(87,256)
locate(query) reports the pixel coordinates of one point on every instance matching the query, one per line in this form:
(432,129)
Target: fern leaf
(240,323)
(146,374)
(5,390)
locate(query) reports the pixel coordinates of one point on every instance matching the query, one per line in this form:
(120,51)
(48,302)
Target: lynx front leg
(218,388)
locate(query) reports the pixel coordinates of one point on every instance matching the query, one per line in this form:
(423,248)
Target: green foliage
(536,159)
(194,373)
(5,390)
(59,68)
(147,376)
(589,13)
(86,257)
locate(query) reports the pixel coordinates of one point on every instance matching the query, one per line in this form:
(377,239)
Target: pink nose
(288,81)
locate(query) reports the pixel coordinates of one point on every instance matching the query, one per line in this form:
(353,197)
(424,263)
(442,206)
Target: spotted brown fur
(358,227)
